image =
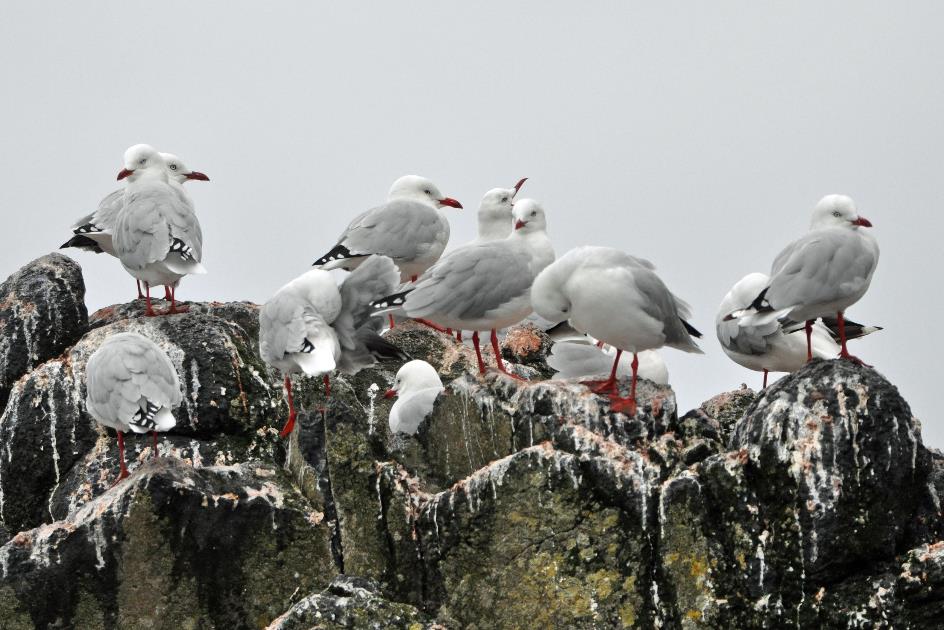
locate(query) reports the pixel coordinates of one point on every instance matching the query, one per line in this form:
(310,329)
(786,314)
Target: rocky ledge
(811,504)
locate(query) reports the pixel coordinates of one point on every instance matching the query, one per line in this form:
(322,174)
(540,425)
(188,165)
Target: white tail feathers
(751,317)
(185,267)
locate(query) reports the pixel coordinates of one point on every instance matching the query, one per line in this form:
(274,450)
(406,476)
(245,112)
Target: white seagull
(313,326)
(768,347)
(410,228)
(482,286)
(819,275)
(417,385)
(618,299)
(495,215)
(157,235)
(131,385)
(93,232)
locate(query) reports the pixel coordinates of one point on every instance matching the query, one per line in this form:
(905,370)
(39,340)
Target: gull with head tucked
(416,386)
(619,300)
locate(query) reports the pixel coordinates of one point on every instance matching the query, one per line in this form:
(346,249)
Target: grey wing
(400,229)
(184,225)
(744,339)
(662,305)
(125,371)
(141,236)
(282,327)
(825,266)
(376,278)
(471,281)
(104,218)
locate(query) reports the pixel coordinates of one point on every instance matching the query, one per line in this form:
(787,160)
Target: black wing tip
(338,252)
(397,299)
(383,350)
(82,242)
(760,303)
(691,329)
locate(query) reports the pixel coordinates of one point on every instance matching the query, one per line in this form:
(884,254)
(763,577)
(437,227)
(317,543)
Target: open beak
(390,393)
(197,175)
(449,201)
(862,222)
(518,185)
(520,224)
(123,173)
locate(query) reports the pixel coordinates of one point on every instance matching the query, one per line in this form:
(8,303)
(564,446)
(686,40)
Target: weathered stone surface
(172,546)
(351,602)
(43,433)
(840,439)
(42,312)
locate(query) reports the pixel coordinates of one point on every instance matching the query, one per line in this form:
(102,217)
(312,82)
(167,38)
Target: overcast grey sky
(698,135)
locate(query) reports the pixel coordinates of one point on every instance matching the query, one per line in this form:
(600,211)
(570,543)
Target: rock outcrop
(811,504)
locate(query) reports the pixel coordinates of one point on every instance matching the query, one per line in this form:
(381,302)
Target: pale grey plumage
(127,374)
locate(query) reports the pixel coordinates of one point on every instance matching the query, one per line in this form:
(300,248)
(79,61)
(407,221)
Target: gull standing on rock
(819,275)
(618,299)
(313,326)
(410,228)
(93,232)
(417,385)
(131,385)
(768,347)
(157,235)
(482,286)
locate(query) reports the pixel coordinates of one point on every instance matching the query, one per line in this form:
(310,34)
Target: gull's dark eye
(173,167)
(836,213)
(142,161)
(504,199)
(534,213)
(427,191)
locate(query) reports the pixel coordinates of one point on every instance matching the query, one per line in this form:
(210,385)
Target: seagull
(770,348)
(619,300)
(819,275)
(482,286)
(417,385)
(313,326)
(131,384)
(410,228)
(157,235)
(495,213)
(93,232)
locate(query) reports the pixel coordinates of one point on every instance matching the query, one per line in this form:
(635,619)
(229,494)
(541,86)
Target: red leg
(765,379)
(432,325)
(609,385)
(843,353)
(498,358)
(123,470)
(600,344)
(478,353)
(449,331)
(174,309)
(140,293)
(627,405)
(148,312)
(413,278)
(390,319)
(809,340)
(459,336)
(167,295)
(327,384)
(290,424)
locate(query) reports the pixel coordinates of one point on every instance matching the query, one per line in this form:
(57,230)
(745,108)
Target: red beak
(449,201)
(520,224)
(390,393)
(197,175)
(862,222)
(519,184)
(123,173)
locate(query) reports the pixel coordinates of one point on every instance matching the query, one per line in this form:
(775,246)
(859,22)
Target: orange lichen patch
(105,313)
(523,340)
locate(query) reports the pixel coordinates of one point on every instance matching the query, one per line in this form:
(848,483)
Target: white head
(412,377)
(179,172)
(837,211)
(142,160)
(420,189)
(529,217)
(495,212)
